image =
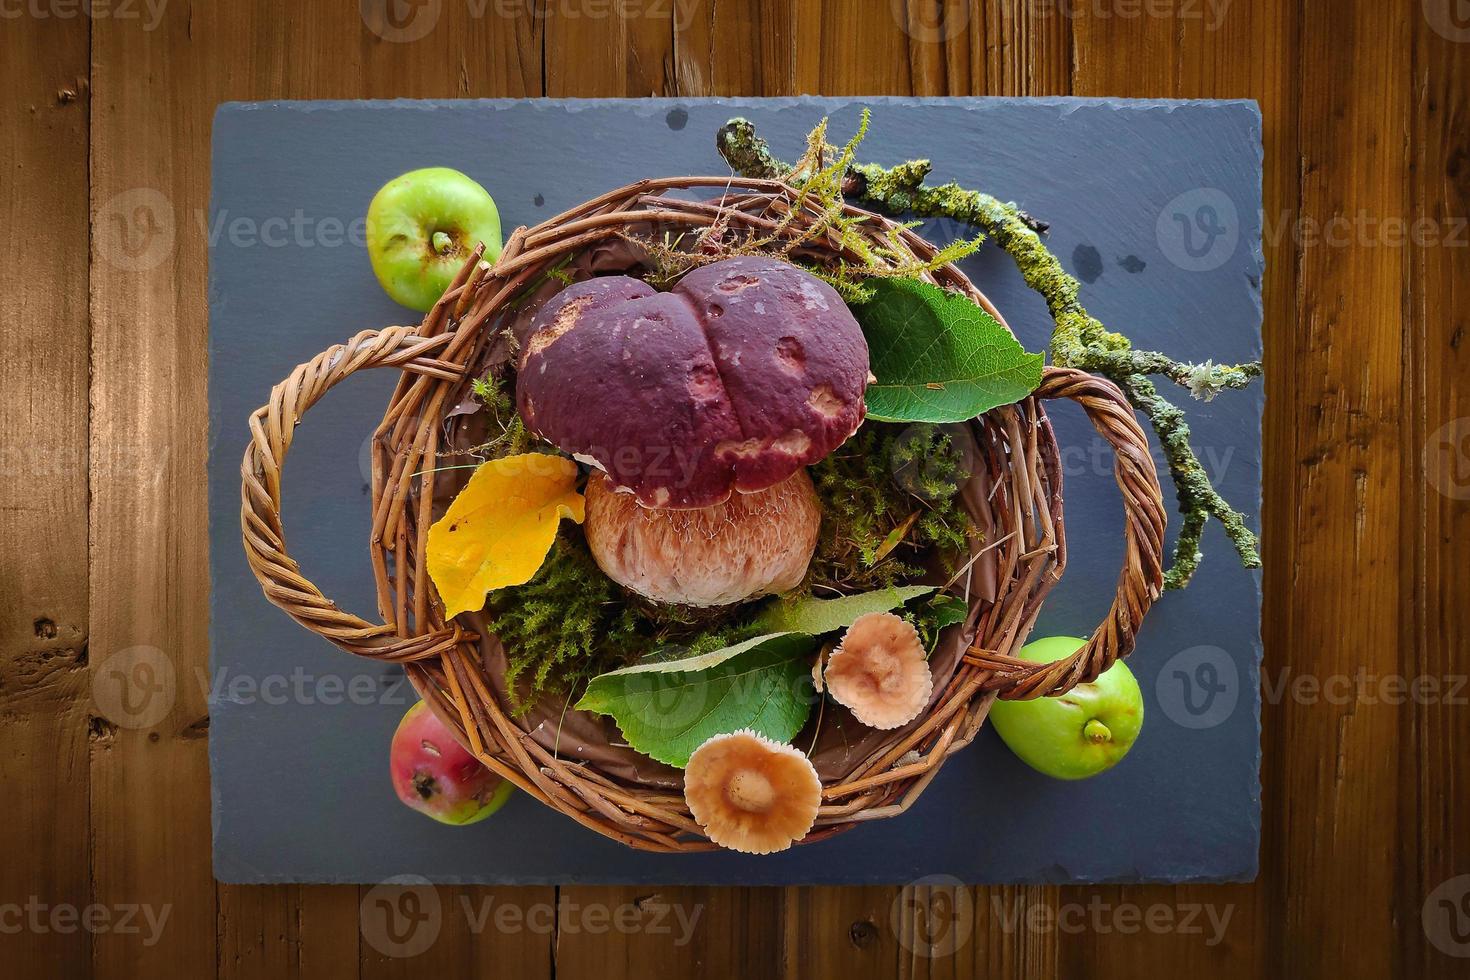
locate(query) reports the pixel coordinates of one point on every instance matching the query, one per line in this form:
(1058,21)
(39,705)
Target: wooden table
(102,422)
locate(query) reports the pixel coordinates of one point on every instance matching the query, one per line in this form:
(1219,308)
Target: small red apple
(435,775)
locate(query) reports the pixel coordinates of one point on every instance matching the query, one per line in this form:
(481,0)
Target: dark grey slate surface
(1155,205)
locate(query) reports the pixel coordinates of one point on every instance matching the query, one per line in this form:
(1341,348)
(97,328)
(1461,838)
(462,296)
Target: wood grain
(287,931)
(592,51)
(44,691)
(1434,794)
(1366,110)
(734,47)
(149,138)
(1349,373)
(626,933)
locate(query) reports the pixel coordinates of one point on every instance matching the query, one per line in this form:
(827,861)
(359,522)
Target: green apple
(1081,733)
(422,226)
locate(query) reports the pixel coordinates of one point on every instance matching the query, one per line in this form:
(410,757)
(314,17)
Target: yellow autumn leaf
(498,530)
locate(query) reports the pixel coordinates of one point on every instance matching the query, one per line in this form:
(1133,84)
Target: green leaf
(818,616)
(939,357)
(668,709)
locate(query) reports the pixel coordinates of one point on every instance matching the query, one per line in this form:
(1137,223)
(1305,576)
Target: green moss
(509,434)
(889,499)
(571,622)
(565,625)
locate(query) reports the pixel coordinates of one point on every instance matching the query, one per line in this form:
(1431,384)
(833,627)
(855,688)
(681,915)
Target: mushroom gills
(751,793)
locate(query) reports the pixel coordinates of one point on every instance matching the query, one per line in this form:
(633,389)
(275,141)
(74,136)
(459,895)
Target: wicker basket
(1015,496)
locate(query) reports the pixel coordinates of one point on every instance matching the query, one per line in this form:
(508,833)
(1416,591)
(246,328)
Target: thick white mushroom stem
(751,545)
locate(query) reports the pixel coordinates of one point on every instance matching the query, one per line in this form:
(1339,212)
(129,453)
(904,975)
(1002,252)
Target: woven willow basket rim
(436,360)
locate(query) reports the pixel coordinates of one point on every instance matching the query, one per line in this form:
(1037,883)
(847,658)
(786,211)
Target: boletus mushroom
(747,371)
(752,794)
(879,671)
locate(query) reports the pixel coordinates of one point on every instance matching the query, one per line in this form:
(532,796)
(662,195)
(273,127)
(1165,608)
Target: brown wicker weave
(1018,456)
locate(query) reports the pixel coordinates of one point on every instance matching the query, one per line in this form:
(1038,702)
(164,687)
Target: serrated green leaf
(818,616)
(939,357)
(668,709)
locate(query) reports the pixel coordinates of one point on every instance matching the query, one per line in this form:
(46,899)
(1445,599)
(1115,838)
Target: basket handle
(1142,575)
(272,427)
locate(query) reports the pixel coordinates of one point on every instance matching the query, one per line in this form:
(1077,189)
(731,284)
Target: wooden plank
(845,48)
(1016,48)
(840,932)
(44,691)
(627,933)
(1002,47)
(275,931)
(924,47)
(1026,48)
(600,49)
(461,931)
(852,47)
(1252,50)
(1436,627)
(947,931)
(1349,371)
(1346,383)
(941,48)
(150,811)
(492,53)
(733,47)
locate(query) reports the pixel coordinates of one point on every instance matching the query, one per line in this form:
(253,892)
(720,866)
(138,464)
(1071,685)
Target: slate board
(1154,205)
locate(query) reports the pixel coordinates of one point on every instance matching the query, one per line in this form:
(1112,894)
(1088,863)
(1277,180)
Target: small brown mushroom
(879,671)
(751,545)
(752,794)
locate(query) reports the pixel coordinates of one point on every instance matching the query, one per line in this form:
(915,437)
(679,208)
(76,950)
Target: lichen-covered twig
(1079,339)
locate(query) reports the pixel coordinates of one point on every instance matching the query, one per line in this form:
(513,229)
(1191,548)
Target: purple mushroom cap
(748,370)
